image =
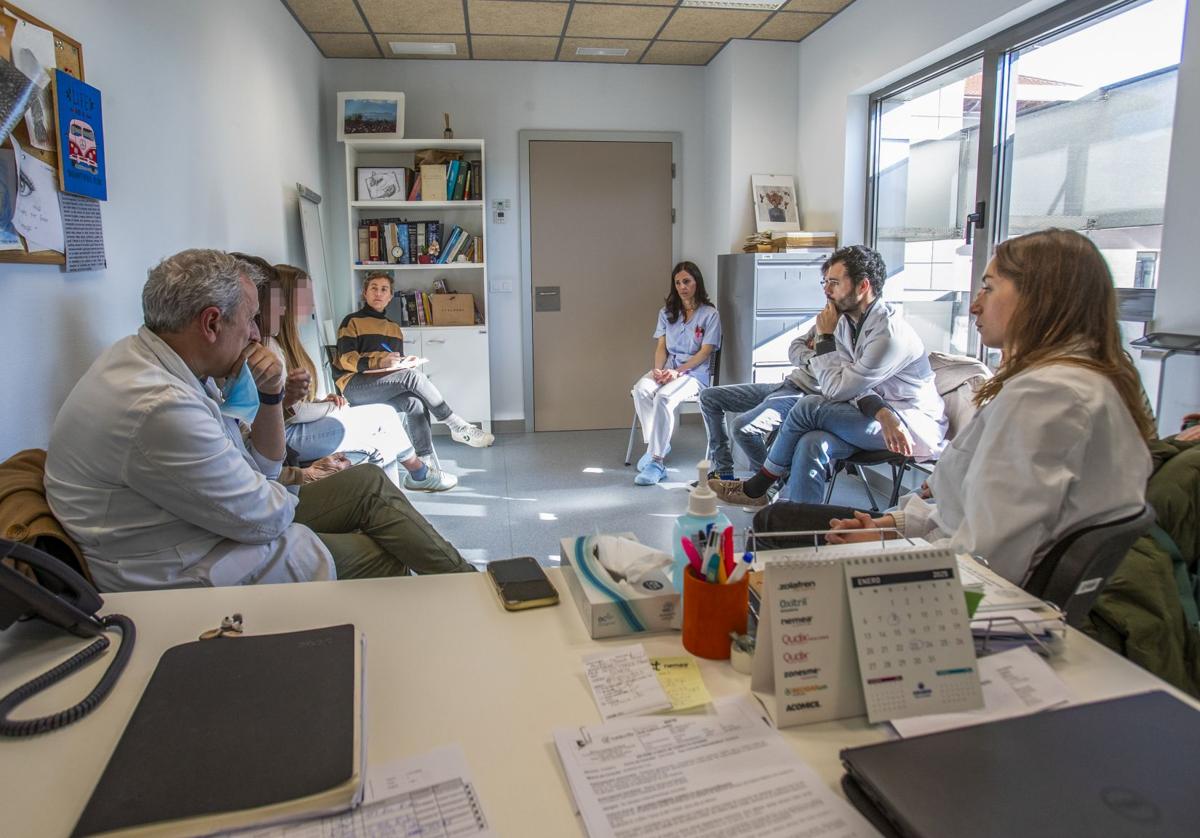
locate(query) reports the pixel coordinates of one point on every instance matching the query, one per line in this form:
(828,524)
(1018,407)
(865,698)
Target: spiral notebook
(827,644)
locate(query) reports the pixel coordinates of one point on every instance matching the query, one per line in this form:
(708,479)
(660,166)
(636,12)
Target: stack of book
(462,244)
(397,241)
(758,243)
(463,182)
(802,240)
(415,308)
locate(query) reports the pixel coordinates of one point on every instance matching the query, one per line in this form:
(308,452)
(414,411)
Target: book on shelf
(460,182)
(414,194)
(398,241)
(433,182)
(451,177)
(236,732)
(476,180)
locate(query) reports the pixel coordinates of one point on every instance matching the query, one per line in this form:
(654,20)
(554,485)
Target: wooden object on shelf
(68,55)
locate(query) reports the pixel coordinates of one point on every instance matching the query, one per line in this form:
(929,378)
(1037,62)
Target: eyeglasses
(826,283)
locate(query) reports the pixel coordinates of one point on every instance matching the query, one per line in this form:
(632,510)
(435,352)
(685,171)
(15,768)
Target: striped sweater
(365,339)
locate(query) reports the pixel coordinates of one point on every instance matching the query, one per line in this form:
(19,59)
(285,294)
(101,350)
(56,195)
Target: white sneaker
(472,436)
(435,481)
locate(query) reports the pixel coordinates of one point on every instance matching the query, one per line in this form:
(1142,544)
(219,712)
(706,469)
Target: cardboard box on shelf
(453,309)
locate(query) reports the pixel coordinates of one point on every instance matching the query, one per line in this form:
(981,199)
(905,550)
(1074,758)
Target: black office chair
(1078,566)
(898,463)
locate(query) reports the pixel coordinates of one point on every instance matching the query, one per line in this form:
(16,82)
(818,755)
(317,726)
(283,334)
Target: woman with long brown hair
(317,427)
(1059,441)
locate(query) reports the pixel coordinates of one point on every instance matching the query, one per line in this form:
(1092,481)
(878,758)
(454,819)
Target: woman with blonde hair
(1059,440)
(314,427)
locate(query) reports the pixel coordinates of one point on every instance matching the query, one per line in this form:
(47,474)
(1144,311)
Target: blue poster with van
(80,137)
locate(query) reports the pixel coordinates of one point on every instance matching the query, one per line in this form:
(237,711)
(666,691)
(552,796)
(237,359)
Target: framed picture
(80,131)
(381,183)
(775,206)
(376,115)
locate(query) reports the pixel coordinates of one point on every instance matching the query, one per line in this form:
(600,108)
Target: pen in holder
(710,612)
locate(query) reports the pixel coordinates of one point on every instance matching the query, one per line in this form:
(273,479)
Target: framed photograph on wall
(381,183)
(373,115)
(775,206)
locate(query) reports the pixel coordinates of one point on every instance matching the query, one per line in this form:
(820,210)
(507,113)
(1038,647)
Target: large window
(1063,121)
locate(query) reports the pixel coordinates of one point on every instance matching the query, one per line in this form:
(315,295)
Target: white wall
(751,119)
(1177,304)
(210,118)
(494,100)
(876,42)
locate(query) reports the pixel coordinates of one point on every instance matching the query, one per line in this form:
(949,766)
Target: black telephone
(67,600)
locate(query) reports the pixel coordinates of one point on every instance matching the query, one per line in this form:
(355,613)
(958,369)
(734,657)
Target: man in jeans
(760,409)
(148,472)
(877,389)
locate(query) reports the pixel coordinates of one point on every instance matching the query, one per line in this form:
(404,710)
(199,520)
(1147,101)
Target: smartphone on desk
(521,583)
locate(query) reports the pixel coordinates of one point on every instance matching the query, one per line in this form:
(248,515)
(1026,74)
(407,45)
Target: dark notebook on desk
(236,731)
(1124,767)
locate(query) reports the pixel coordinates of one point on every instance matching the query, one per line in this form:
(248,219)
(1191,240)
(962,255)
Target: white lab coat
(889,359)
(1054,451)
(157,488)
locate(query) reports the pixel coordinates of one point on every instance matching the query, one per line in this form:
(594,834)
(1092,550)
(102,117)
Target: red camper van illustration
(81,144)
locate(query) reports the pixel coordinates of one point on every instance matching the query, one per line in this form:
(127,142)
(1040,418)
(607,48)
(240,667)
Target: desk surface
(445,664)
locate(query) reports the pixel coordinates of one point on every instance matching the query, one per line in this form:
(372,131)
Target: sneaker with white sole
(435,481)
(472,436)
(733,493)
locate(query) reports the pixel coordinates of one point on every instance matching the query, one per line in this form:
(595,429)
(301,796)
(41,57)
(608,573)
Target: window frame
(994,169)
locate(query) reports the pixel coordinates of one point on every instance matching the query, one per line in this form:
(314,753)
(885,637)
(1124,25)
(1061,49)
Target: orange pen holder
(710,612)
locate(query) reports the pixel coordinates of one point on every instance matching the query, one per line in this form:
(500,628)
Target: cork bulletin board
(68,54)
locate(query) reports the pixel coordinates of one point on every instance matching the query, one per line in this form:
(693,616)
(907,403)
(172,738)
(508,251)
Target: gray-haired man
(148,472)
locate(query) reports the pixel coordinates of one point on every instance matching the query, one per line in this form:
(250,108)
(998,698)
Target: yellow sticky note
(681,681)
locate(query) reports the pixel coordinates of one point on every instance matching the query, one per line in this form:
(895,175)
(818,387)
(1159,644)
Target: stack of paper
(726,773)
(1015,683)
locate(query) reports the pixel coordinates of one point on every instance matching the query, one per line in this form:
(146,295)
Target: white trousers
(656,407)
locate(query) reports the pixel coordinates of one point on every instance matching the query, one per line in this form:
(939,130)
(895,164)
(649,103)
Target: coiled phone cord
(31,727)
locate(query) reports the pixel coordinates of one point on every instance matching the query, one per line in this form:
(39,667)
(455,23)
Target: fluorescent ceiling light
(422,48)
(762,5)
(601,51)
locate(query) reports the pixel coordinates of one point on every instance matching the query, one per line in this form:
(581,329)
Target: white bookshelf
(458,355)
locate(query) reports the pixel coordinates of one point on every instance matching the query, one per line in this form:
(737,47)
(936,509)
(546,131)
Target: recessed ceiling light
(421,48)
(601,51)
(757,5)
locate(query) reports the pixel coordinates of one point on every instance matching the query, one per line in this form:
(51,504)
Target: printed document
(1015,683)
(998,592)
(430,795)
(623,682)
(728,772)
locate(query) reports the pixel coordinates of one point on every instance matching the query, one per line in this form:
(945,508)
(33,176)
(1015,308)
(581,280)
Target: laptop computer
(1124,767)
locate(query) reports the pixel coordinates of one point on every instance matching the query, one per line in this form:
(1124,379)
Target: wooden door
(600,262)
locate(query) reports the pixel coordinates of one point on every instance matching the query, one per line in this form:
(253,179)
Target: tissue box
(605,609)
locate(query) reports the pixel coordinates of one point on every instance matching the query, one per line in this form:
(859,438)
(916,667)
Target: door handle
(975,220)
(547,298)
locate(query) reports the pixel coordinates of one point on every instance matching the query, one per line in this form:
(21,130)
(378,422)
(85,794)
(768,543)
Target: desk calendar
(824,620)
(913,637)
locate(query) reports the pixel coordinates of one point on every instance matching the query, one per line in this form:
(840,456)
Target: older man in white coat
(877,389)
(148,472)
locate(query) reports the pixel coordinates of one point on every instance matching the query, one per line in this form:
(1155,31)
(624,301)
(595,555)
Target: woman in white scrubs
(687,333)
(1059,441)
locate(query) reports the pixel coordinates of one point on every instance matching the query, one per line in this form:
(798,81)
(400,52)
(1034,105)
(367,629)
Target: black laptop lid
(1125,767)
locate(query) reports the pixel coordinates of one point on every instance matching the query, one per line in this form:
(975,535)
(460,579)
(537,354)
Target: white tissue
(630,560)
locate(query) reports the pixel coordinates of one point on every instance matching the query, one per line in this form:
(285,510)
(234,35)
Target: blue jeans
(412,395)
(815,434)
(760,409)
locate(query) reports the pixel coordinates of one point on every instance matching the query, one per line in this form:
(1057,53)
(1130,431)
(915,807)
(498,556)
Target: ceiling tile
(608,21)
(508,48)
(679,52)
(712,24)
(346,46)
(414,15)
(328,15)
(828,7)
(790,26)
(498,17)
(636,48)
(636,2)
(460,41)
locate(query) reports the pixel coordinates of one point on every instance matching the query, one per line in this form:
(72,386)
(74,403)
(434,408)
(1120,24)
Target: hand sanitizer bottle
(702,515)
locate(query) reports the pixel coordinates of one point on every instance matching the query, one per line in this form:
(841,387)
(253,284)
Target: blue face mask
(240,396)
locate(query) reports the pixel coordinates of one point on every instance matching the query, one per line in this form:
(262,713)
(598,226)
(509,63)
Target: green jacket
(1139,614)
